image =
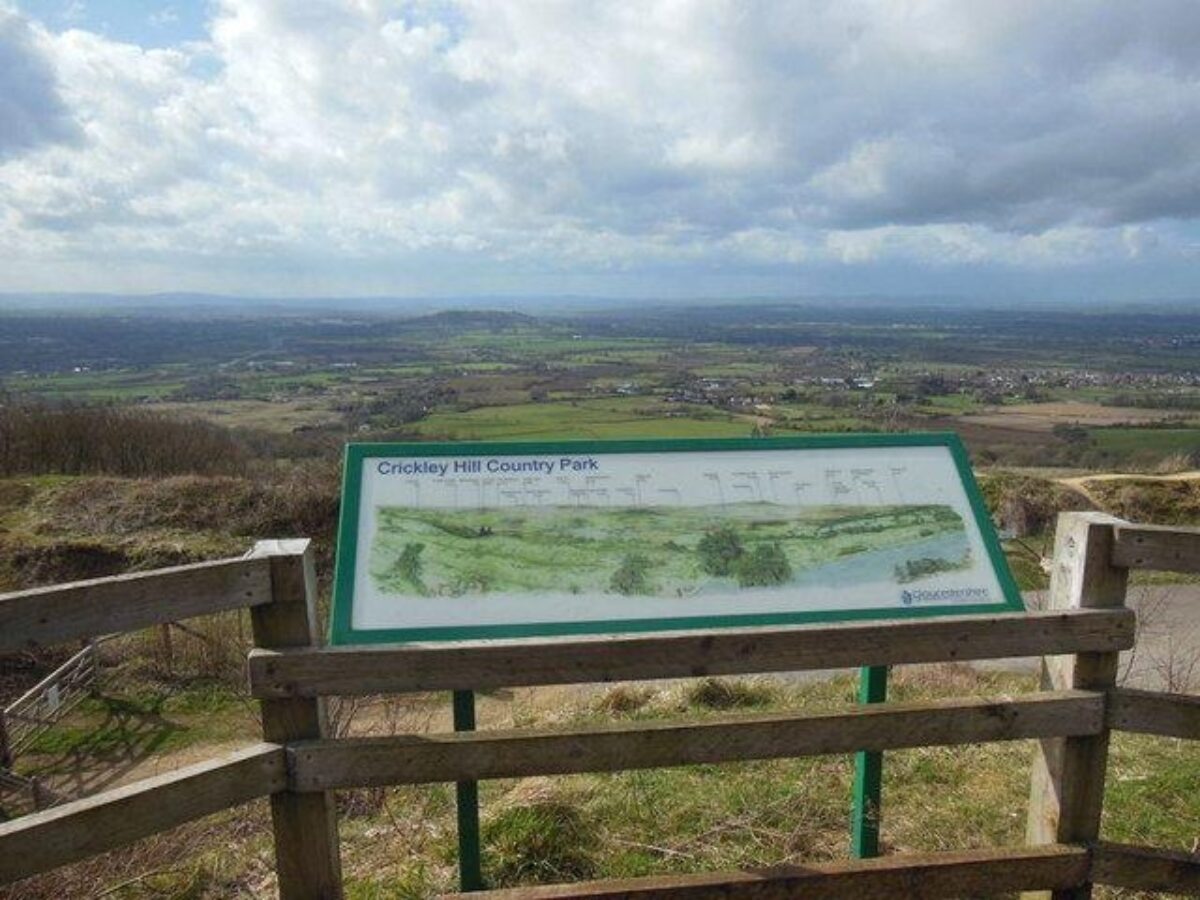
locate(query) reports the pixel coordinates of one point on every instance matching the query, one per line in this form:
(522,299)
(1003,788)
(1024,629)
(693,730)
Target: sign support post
(868,773)
(470,868)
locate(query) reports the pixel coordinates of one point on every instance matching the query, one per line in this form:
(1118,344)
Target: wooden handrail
(1154,712)
(470,756)
(1167,549)
(84,609)
(927,875)
(1146,869)
(307,672)
(120,816)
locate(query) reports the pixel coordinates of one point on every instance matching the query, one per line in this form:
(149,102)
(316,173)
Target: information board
(469,541)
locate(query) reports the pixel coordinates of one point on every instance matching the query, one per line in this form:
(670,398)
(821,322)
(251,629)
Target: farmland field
(610,418)
(1162,441)
(1044,416)
(1045,387)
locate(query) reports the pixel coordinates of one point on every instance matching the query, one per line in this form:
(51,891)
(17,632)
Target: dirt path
(1079,483)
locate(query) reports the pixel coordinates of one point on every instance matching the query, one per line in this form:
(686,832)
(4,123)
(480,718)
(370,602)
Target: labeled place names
(582,480)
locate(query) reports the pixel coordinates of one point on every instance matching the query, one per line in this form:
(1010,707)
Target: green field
(660,551)
(1159,441)
(602,418)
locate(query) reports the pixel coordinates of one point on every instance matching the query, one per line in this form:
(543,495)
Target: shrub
(624,699)
(409,564)
(720,549)
(718,693)
(765,566)
(631,575)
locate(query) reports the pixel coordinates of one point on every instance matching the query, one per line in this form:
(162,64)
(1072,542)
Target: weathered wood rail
(299,766)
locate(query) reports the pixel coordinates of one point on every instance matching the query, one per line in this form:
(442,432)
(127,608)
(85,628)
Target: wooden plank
(473,756)
(6,752)
(66,612)
(123,815)
(307,858)
(1067,781)
(1169,549)
(1152,712)
(925,875)
(1146,869)
(442,667)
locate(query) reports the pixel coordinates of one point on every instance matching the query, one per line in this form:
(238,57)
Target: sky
(650,148)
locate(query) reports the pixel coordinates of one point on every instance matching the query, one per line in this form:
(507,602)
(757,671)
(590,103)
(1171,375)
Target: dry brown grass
(1043,417)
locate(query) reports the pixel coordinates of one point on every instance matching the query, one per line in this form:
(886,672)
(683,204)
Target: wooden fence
(298,765)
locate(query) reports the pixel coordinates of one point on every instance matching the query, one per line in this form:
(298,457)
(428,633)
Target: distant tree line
(40,439)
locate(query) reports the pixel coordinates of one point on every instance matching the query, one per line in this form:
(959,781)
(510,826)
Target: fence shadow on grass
(76,760)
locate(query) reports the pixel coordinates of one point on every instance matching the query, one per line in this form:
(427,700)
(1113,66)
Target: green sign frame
(343,632)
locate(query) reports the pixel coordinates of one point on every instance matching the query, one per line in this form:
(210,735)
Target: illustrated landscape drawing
(661,551)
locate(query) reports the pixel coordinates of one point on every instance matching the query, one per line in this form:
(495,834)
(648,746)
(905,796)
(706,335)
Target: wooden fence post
(1067,781)
(6,756)
(306,838)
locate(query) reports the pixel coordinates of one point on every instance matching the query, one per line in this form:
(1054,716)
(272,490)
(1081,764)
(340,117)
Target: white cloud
(163,17)
(552,134)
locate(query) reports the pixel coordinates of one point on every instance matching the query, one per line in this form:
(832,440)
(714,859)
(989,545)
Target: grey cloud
(1017,116)
(31,111)
(1060,114)
(770,131)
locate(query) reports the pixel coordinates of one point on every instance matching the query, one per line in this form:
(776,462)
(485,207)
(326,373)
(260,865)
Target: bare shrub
(624,699)
(727,693)
(1175,463)
(374,715)
(1166,654)
(37,438)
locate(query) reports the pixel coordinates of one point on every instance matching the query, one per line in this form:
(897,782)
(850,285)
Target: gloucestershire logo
(945,595)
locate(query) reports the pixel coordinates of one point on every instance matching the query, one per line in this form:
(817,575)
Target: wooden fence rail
(924,875)
(121,816)
(309,672)
(83,609)
(299,766)
(1151,712)
(478,755)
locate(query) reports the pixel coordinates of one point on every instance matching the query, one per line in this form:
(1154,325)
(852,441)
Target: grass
(552,840)
(130,723)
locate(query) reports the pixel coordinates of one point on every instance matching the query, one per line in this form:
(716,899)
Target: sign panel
(467,541)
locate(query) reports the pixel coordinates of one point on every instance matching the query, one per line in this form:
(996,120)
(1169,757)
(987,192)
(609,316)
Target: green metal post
(868,773)
(470,868)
